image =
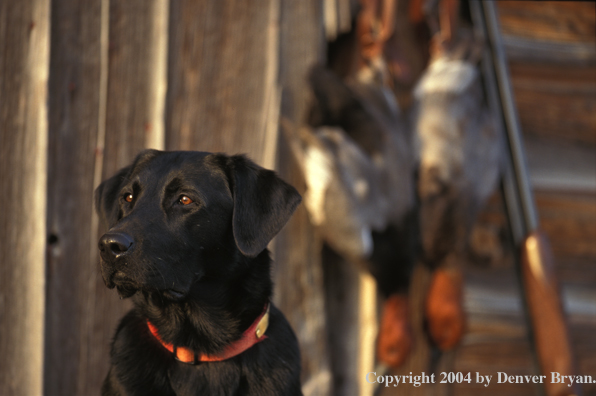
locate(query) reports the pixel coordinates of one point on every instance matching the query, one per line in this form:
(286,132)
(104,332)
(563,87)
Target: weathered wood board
(107,92)
(24,65)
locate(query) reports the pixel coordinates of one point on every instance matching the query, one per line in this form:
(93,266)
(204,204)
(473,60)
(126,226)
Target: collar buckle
(253,335)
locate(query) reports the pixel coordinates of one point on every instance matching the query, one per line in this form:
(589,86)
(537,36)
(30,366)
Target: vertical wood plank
(223,91)
(343,296)
(368,329)
(225,74)
(24,50)
(351,299)
(105,107)
(136,60)
(298,272)
(331,21)
(75,124)
(341,301)
(137,78)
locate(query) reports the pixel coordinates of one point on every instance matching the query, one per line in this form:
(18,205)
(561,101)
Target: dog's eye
(184,200)
(128,197)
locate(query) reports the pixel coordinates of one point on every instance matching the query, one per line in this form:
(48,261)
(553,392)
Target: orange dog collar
(254,334)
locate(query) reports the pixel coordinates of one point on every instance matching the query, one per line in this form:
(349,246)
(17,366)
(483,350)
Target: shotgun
(542,298)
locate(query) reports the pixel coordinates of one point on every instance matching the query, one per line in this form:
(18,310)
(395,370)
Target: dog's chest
(215,378)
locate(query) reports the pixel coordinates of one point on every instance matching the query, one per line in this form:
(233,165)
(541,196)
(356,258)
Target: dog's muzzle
(113,246)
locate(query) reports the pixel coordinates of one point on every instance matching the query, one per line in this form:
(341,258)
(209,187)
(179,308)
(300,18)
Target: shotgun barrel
(543,303)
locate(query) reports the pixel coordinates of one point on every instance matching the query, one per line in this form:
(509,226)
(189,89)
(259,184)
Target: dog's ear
(106,196)
(263,203)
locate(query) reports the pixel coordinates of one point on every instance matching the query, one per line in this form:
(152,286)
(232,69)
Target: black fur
(199,272)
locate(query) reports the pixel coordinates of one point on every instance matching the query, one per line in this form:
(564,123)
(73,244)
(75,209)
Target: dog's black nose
(114,245)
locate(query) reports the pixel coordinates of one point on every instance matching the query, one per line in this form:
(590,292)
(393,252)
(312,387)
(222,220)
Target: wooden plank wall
(24,40)
(181,75)
(75,128)
(107,94)
(217,75)
(297,250)
(241,115)
(551,47)
(556,98)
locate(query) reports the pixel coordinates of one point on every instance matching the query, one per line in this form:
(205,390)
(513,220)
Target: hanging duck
(460,156)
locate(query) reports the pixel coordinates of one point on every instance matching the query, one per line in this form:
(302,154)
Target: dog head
(175,217)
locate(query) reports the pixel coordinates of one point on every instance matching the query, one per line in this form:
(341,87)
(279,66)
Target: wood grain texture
(537,51)
(570,222)
(558,165)
(75,360)
(552,59)
(568,218)
(298,273)
(563,21)
(342,296)
(222,77)
(134,100)
(95,129)
(556,101)
(226,72)
(24,50)
(232,69)
(560,32)
(137,75)
(497,338)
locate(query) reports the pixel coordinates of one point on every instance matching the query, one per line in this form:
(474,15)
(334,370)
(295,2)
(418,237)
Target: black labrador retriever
(187,240)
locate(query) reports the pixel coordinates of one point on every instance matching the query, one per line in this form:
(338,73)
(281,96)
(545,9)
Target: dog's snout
(113,246)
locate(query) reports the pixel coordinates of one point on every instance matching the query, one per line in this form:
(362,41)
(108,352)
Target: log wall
(86,85)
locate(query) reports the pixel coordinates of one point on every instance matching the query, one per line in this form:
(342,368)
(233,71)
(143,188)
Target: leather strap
(254,334)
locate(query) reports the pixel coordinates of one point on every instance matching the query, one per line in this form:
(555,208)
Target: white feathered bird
(460,153)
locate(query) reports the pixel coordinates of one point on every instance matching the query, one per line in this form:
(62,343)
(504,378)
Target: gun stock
(551,338)
(536,265)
